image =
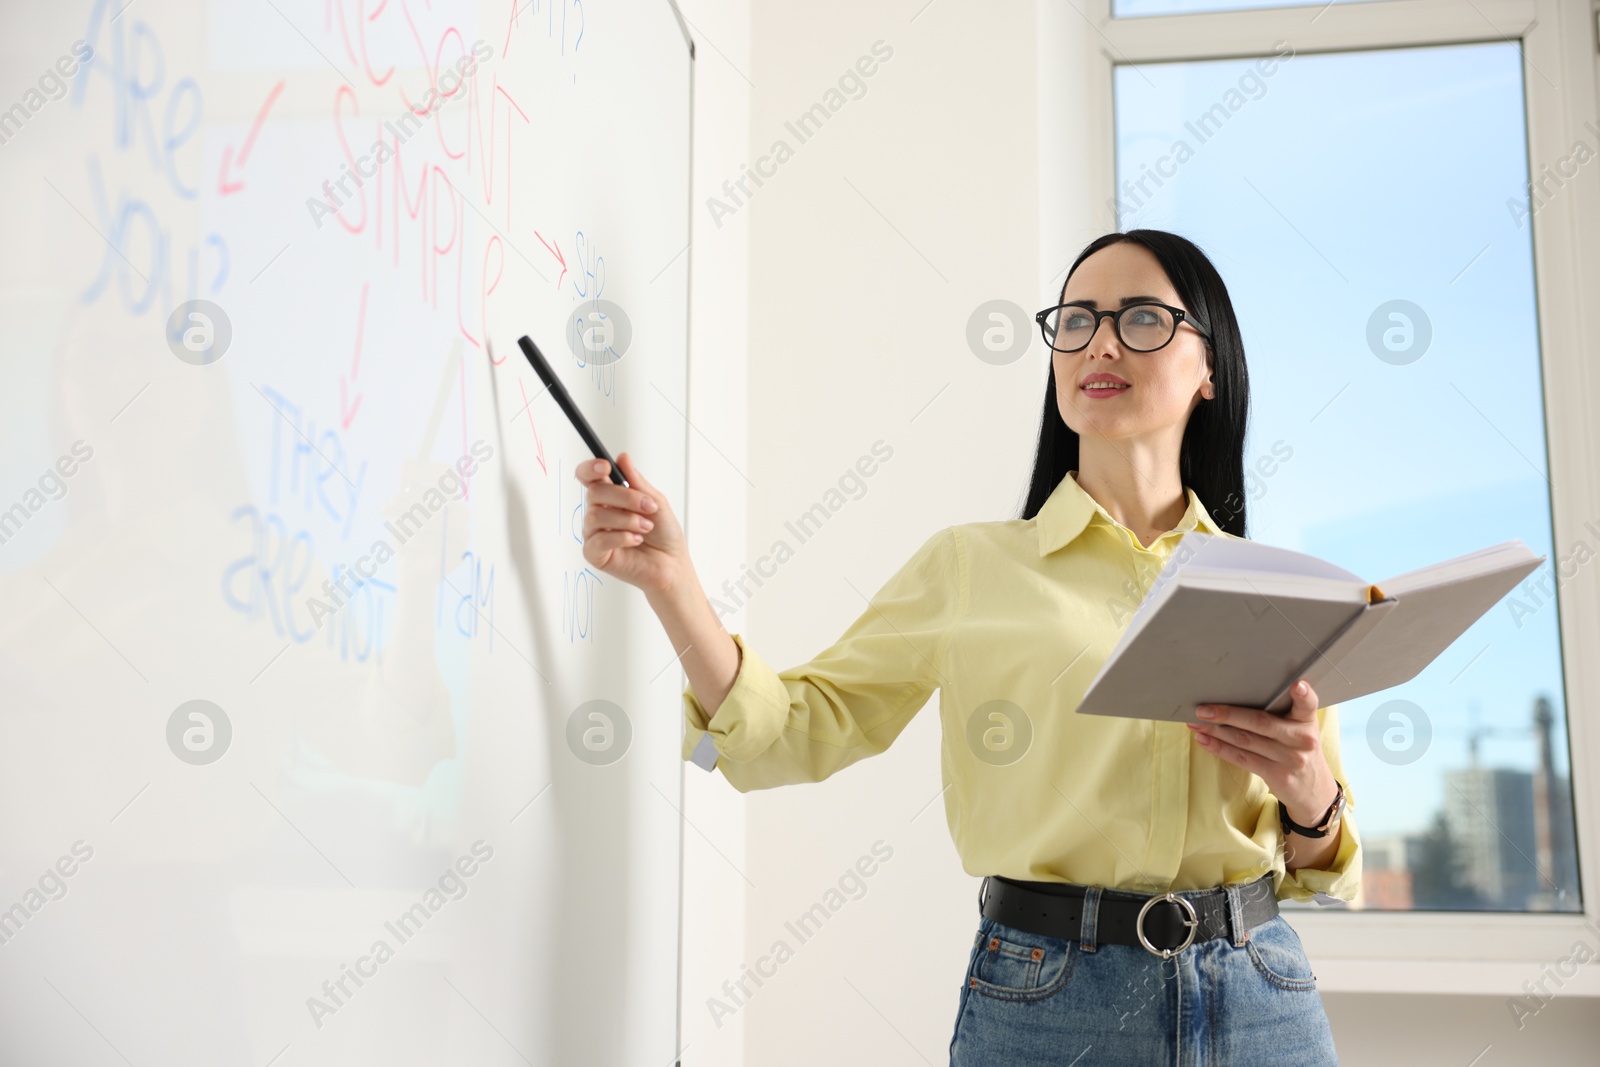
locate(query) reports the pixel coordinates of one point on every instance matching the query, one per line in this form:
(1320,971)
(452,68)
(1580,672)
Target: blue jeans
(1032,1001)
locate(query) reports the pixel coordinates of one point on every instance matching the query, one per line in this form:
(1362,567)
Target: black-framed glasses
(1140,327)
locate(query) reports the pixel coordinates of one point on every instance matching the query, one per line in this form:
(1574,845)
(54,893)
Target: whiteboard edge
(683,26)
(688,369)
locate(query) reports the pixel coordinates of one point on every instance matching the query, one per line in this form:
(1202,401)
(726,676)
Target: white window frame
(1446,952)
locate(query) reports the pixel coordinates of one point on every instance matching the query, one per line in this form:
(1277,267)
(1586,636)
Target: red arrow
(223,185)
(347,414)
(536,440)
(554,251)
(347,411)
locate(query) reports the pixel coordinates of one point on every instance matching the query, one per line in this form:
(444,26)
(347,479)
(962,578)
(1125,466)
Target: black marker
(559,391)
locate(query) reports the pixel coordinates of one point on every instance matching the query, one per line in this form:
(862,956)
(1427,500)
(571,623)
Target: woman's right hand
(630,532)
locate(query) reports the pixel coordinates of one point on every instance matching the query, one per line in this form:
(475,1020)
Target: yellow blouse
(1010,621)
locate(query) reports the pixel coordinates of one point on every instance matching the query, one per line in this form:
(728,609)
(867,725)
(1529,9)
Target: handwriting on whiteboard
(161,123)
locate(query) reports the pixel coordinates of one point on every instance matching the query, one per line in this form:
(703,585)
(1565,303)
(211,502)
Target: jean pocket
(1012,964)
(1277,953)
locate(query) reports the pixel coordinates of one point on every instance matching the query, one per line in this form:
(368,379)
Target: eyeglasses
(1140,327)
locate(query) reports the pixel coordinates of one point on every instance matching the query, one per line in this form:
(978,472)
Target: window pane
(1368,214)
(1135,8)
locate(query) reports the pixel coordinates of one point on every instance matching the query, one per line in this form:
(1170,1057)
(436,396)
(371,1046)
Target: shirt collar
(1070,508)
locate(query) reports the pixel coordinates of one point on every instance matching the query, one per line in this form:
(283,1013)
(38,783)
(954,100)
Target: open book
(1231,621)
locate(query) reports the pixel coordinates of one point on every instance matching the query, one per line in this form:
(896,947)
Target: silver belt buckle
(1192,922)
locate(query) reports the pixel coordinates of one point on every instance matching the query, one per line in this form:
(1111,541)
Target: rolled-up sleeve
(851,700)
(1341,879)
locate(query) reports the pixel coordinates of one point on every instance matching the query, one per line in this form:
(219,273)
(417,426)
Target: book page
(1505,555)
(1215,552)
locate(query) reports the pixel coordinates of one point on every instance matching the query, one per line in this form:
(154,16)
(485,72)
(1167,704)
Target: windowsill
(1486,953)
(1448,976)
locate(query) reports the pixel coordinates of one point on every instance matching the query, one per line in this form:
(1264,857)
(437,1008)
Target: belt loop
(1091,913)
(1241,929)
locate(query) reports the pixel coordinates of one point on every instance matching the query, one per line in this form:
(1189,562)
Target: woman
(1133,866)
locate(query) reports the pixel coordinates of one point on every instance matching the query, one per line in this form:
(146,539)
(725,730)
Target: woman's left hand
(1284,750)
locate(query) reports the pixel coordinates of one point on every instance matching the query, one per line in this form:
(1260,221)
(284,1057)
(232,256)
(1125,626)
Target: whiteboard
(321,742)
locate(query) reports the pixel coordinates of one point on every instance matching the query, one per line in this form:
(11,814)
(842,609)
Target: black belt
(1165,923)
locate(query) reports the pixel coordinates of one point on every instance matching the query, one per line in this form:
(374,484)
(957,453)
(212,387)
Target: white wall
(866,253)
(869,249)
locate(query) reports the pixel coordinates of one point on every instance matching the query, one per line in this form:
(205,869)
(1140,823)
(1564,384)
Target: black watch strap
(1324,825)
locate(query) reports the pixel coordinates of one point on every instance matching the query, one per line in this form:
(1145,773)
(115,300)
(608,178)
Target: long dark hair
(1211,460)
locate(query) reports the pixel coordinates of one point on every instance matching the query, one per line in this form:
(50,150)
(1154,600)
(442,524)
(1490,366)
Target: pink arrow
(225,187)
(347,410)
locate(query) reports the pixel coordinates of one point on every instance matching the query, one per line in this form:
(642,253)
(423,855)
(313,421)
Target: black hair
(1211,459)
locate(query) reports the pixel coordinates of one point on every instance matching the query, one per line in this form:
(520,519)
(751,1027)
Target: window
(1358,202)
(1360,175)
